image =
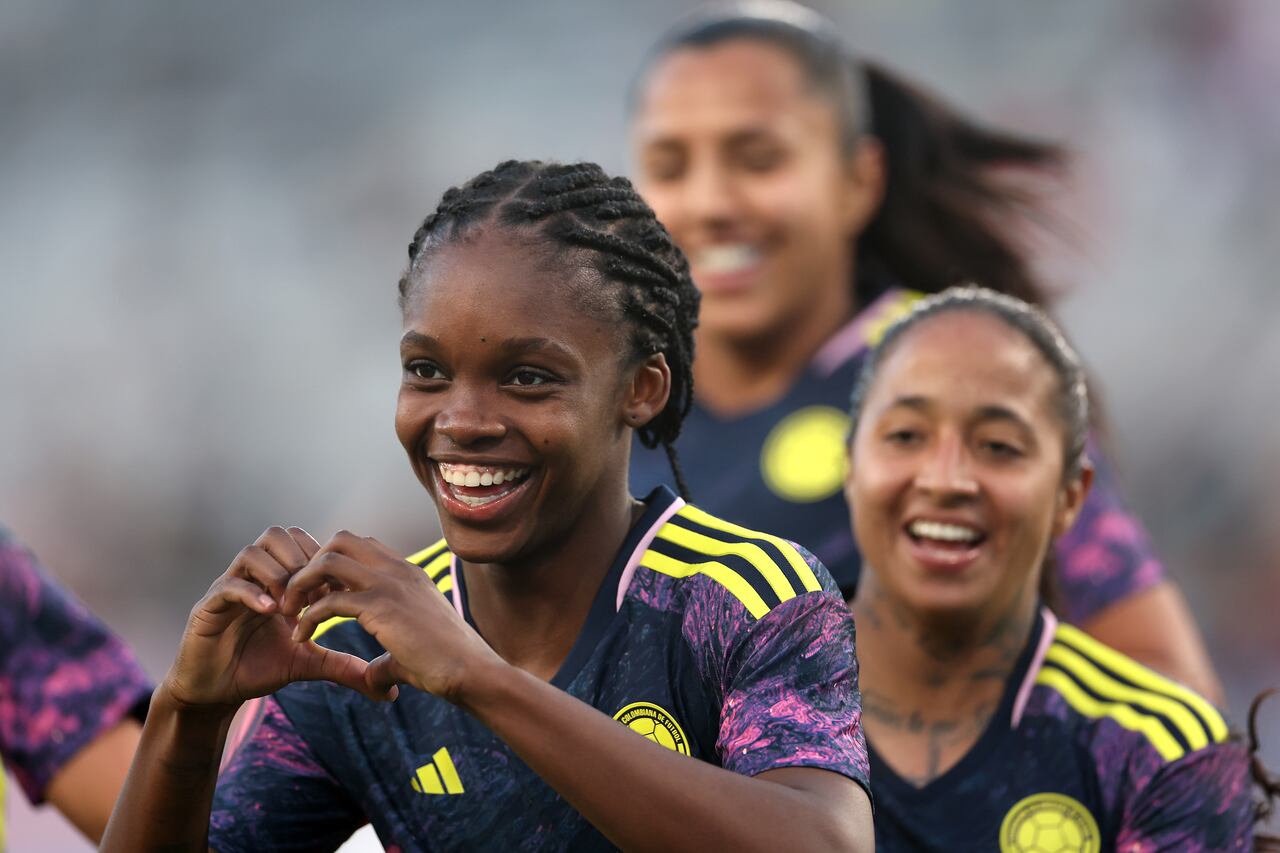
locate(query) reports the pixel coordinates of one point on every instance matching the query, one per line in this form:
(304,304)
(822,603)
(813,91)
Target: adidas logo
(437,777)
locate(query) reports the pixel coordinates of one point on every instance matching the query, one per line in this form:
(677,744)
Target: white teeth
(477,475)
(943,532)
(726,258)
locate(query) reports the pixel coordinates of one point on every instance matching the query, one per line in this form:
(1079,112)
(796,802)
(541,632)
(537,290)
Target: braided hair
(603,221)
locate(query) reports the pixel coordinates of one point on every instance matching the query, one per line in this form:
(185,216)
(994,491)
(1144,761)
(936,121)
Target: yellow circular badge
(803,459)
(655,723)
(1049,823)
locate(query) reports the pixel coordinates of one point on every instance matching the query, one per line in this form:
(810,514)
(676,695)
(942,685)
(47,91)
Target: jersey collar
(660,505)
(864,330)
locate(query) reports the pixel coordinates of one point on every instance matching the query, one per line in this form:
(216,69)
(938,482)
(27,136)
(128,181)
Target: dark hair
(1268,786)
(1072,402)
(1072,399)
(605,224)
(944,216)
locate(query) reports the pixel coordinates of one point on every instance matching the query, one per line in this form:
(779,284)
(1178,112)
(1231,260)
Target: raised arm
(236,647)
(672,802)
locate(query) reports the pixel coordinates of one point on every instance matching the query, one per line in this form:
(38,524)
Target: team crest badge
(1049,823)
(653,721)
(803,459)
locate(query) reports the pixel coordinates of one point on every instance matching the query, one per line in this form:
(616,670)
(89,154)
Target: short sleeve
(274,794)
(1107,554)
(65,679)
(790,688)
(1201,802)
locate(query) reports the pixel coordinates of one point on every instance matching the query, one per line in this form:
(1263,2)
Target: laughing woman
(990,725)
(571,668)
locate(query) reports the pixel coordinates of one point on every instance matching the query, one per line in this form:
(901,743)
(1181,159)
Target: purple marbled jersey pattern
(270,754)
(1199,802)
(1107,555)
(64,678)
(787,682)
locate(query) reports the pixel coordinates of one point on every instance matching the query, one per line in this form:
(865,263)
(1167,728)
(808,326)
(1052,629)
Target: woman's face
(513,402)
(956,480)
(741,160)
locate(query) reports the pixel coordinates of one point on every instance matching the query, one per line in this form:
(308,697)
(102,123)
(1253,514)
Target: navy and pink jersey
(727,645)
(781,467)
(64,677)
(1089,751)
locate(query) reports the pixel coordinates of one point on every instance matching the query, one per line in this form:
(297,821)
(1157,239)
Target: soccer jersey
(1089,751)
(782,467)
(726,645)
(64,678)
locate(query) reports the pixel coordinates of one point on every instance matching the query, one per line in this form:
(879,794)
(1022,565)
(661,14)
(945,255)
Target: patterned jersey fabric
(1089,751)
(726,645)
(782,467)
(64,678)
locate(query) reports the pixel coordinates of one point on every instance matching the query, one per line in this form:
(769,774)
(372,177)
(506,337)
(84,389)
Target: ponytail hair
(946,215)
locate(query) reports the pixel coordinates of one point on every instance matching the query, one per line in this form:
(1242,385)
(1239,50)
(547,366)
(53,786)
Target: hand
(237,643)
(429,646)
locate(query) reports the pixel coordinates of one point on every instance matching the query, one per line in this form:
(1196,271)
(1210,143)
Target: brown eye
(663,164)
(761,156)
(424,369)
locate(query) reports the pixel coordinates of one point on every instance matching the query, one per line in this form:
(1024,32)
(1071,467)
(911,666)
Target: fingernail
(266,600)
(393,694)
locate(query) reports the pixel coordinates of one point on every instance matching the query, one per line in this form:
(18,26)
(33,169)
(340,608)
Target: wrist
(168,701)
(488,683)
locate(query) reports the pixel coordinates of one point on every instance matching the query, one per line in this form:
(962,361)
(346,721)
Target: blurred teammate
(72,696)
(992,726)
(567,652)
(816,197)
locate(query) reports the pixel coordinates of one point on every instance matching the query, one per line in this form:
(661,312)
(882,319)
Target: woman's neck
(931,686)
(532,612)
(736,375)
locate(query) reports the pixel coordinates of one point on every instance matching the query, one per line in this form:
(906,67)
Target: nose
(708,195)
(946,471)
(466,421)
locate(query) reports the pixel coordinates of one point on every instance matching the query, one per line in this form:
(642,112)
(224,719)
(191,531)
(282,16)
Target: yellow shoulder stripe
(778,582)
(807,578)
(1143,677)
(1103,685)
(718,572)
(427,554)
(436,569)
(1125,715)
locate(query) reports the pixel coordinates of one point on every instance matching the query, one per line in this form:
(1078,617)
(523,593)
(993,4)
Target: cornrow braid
(604,220)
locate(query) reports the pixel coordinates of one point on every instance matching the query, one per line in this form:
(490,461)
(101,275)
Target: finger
(232,592)
(383,674)
(359,548)
(257,565)
(281,545)
(305,541)
(340,668)
(337,570)
(335,604)
(318,593)
(385,550)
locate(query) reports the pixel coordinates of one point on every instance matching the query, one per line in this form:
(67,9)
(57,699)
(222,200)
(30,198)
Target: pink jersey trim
(1029,680)
(251,712)
(455,594)
(852,337)
(637,554)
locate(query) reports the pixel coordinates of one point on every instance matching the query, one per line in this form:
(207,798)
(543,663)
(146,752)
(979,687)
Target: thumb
(321,664)
(383,674)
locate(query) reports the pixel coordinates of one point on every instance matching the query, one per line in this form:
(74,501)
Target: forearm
(168,793)
(688,804)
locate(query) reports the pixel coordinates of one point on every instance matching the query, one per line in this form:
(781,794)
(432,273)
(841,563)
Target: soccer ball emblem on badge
(1049,823)
(653,722)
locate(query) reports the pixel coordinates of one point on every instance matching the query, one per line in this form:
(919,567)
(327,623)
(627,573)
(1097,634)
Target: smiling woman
(990,725)
(571,668)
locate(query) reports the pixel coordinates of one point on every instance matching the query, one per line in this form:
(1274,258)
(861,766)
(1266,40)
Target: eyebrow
(412,339)
(990,412)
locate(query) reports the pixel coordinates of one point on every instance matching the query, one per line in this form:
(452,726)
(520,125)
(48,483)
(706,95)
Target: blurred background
(204,209)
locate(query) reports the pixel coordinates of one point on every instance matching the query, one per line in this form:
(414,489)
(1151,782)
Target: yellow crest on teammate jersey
(803,459)
(655,723)
(1049,823)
